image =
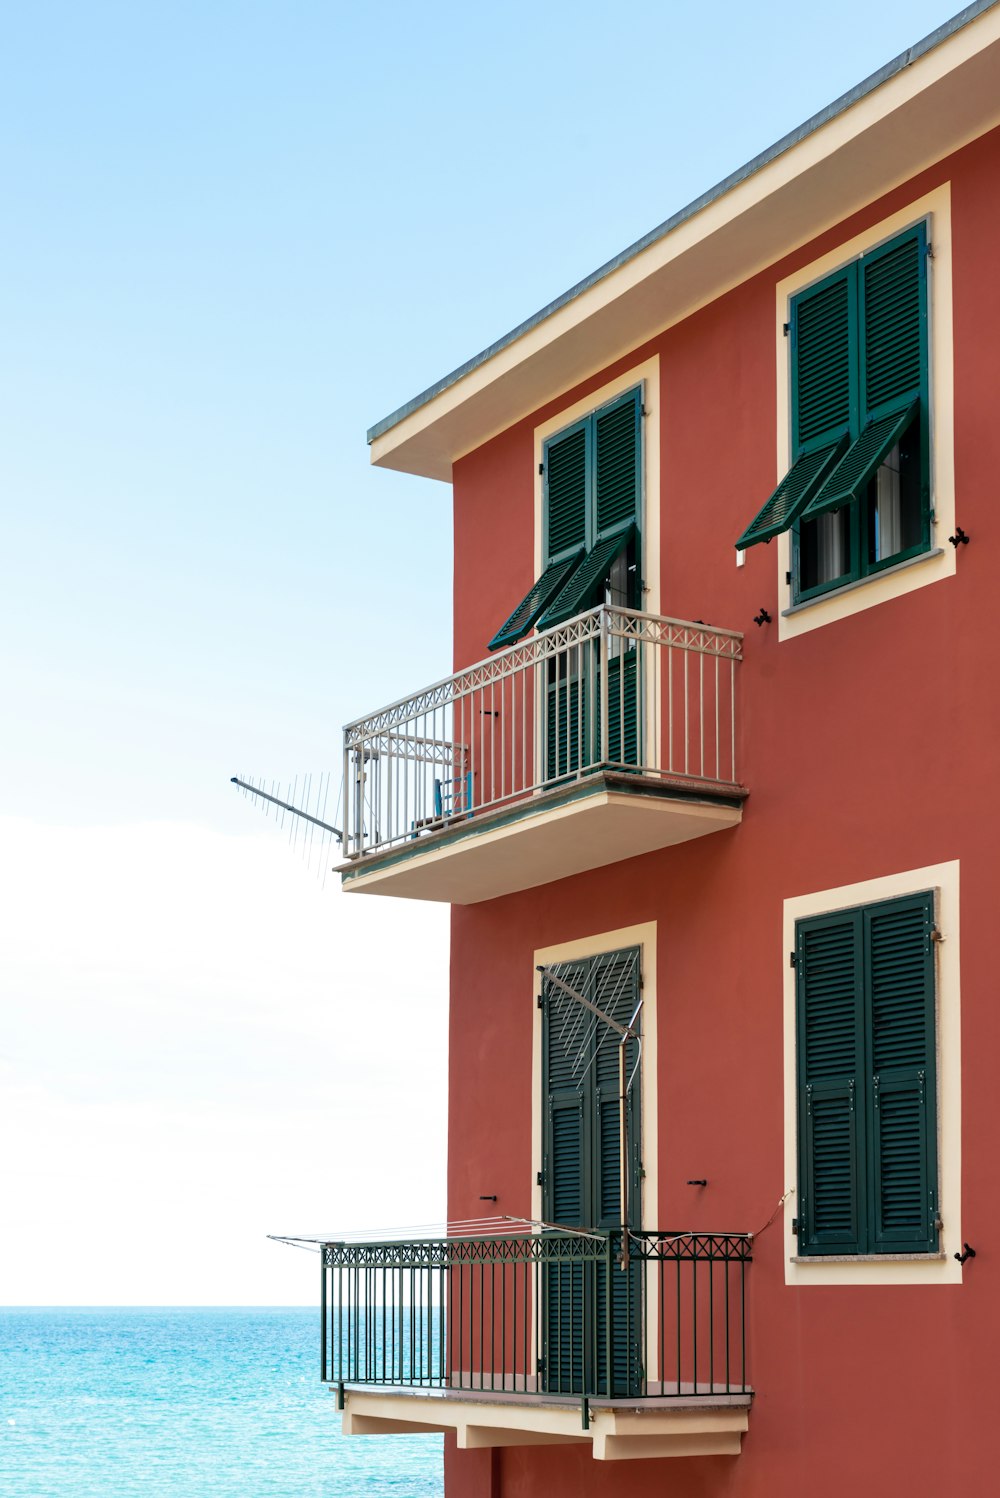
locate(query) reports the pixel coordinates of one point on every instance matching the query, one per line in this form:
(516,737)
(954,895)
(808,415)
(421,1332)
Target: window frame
(895,581)
(859,568)
(864,1087)
(838,1269)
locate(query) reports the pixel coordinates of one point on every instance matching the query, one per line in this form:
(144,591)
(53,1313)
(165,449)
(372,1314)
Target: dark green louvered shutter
(615,990)
(616,463)
(569,716)
(824,361)
(555,576)
(903,1155)
(859,465)
(824,399)
(831,1086)
(623,711)
(893,314)
(566,1174)
(566,462)
(792,495)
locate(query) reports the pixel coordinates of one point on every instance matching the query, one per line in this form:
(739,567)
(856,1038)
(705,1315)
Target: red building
(703,791)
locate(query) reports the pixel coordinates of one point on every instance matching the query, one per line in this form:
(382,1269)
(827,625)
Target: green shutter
(586,585)
(824,361)
(555,576)
(623,711)
(566,462)
(566,1176)
(832,1201)
(792,495)
(615,990)
(903,1163)
(616,458)
(567,727)
(893,314)
(861,462)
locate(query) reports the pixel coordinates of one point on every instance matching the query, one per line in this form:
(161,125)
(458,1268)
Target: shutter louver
(566,492)
(616,438)
(904,1154)
(555,576)
(893,323)
(831,1102)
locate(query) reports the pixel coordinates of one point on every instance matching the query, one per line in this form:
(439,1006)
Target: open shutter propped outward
(792,495)
(859,465)
(535,601)
(586,583)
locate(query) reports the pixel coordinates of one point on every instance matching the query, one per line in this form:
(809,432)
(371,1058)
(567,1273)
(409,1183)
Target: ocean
(186,1403)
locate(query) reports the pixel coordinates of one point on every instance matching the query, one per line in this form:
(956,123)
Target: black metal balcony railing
(546,1314)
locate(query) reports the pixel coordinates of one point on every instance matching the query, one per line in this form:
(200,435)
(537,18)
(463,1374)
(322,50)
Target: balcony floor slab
(599,820)
(617,1430)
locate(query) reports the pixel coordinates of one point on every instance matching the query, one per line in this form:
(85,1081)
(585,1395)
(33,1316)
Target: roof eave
(920,107)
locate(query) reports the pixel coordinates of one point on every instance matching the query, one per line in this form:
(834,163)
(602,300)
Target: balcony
(607,737)
(635,1346)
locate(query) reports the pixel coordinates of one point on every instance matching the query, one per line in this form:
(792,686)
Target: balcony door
(591,1332)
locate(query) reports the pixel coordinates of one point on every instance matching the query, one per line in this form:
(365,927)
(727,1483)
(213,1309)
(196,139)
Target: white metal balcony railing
(611,690)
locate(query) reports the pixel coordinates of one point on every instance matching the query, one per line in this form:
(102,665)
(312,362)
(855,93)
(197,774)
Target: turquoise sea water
(181,1403)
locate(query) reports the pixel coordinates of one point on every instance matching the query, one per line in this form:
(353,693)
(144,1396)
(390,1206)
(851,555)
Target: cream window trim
(939,562)
(943,1268)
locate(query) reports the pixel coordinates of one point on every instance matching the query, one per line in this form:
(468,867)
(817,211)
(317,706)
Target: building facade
(703,791)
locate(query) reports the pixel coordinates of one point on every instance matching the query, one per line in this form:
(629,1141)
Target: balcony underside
(598,820)
(710,1425)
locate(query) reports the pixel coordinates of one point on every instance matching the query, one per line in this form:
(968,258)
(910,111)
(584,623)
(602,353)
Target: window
(592,474)
(866,1080)
(857,496)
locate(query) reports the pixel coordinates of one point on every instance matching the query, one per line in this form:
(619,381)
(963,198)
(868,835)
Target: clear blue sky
(232,236)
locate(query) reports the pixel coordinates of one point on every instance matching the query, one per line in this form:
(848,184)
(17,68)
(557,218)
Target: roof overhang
(925,104)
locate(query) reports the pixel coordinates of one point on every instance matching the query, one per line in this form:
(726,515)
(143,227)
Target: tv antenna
(305,803)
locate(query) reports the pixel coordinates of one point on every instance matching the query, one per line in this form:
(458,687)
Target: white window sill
(862,582)
(866,1258)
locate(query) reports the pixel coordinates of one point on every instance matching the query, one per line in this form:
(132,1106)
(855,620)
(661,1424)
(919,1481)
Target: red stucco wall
(870,747)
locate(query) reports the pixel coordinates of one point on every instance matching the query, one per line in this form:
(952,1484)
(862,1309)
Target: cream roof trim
(926,103)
